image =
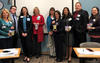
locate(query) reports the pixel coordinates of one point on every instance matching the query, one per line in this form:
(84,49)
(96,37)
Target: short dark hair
(52,8)
(12,7)
(78,3)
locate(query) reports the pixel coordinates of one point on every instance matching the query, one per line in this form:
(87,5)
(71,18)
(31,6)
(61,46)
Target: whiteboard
(43,5)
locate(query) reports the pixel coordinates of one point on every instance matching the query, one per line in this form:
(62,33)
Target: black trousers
(6,43)
(27,46)
(79,37)
(59,46)
(37,46)
(95,40)
(15,40)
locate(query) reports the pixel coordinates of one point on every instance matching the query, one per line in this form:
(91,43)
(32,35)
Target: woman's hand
(24,34)
(53,22)
(9,34)
(36,23)
(12,27)
(50,33)
(68,28)
(90,28)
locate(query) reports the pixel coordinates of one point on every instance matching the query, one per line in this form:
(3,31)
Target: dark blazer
(81,20)
(95,20)
(68,21)
(29,25)
(60,28)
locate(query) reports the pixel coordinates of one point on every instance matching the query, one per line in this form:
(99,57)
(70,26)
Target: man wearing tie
(15,24)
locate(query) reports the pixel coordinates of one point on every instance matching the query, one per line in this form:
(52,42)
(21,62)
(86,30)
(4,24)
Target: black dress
(68,35)
(59,39)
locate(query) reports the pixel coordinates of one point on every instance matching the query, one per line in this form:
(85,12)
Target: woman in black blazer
(68,23)
(58,34)
(25,31)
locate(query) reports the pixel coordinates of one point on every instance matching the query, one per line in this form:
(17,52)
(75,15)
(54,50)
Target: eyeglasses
(14,8)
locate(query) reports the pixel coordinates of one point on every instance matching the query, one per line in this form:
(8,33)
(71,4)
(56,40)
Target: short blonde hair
(1,16)
(37,9)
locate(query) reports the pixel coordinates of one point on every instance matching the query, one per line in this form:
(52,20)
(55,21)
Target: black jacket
(60,28)
(95,20)
(68,21)
(81,20)
(29,26)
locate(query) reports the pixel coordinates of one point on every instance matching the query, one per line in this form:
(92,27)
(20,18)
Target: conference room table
(10,53)
(84,53)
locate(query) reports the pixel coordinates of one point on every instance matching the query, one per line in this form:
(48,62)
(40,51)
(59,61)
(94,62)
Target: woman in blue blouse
(50,44)
(5,33)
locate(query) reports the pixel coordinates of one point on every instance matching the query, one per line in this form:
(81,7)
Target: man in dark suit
(80,17)
(15,24)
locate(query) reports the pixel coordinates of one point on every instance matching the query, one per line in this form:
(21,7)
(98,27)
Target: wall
(44,6)
(88,4)
(6,5)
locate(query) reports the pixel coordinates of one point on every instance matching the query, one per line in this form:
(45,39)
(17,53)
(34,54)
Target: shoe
(24,58)
(69,60)
(59,60)
(28,60)
(37,56)
(52,56)
(65,58)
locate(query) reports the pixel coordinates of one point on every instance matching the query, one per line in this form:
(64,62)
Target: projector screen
(44,5)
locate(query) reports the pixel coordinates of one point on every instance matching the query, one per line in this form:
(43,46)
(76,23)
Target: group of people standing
(71,30)
(27,28)
(64,31)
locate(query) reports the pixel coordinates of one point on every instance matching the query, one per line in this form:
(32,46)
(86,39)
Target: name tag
(78,19)
(69,19)
(21,16)
(3,26)
(94,20)
(52,18)
(10,22)
(28,19)
(78,15)
(38,18)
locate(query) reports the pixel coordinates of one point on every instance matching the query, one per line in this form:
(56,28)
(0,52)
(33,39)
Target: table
(91,55)
(14,53)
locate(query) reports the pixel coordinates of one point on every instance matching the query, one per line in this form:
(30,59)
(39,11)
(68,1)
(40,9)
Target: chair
(90,44)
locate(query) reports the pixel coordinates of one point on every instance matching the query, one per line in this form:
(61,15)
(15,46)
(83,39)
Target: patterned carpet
(44,59)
